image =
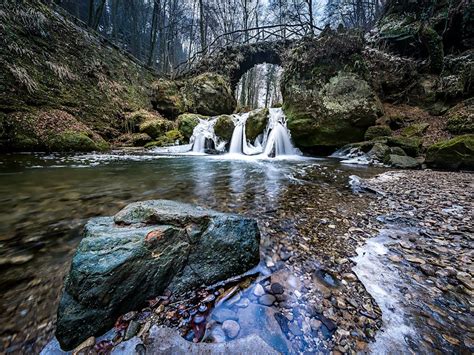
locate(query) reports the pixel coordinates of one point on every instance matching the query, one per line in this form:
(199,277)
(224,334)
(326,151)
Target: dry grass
(22,77)
(61,71)
(20,50)
(34,21)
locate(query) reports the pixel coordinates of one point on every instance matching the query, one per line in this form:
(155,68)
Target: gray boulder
(144,249)
(403,161)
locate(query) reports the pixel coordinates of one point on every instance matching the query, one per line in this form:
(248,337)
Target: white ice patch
(384,285)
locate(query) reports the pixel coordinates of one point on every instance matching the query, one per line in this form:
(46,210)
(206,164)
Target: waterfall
(274,141)
(238,139)
(203,134)
(277,139)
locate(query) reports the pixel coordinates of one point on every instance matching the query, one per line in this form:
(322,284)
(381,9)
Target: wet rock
(260,320)
(217,335)
(295,329)
(258,290)
(377,131)
(231,328)
(315,324)
(256,123)
(379,152)
(132,330)
(276,288)
(186,124)
(221,314)
(267,300)
(224,127)
(154,244)
(244,302)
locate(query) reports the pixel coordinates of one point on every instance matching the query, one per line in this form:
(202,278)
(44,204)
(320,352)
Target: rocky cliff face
(339,85)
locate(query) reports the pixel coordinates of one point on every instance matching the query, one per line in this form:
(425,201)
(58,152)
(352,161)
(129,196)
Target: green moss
(224,127)
(461,118)
(168,97)
(174,135)
(377,131)
(156,127)
(74,141)
(410,145)
(169,138)
(256,123)
(97,84)
(416,130)
(209,94)
(186,124)
(455,153)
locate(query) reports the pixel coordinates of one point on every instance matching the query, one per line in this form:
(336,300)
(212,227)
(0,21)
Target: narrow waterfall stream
(274,141)
(204,133)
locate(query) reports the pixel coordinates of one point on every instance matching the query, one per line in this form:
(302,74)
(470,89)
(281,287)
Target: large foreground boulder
(144,249)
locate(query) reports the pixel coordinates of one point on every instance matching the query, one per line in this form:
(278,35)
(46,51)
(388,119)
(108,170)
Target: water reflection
(46,199)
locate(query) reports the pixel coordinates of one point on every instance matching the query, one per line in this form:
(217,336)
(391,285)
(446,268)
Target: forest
(236,176)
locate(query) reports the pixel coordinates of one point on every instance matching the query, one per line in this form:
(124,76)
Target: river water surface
(46,199)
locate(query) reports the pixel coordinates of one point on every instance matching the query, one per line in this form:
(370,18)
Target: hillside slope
(61,86)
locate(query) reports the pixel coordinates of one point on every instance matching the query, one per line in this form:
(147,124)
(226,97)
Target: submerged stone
(144,249)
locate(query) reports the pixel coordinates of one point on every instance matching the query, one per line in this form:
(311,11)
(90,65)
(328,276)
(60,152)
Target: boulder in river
(144,249)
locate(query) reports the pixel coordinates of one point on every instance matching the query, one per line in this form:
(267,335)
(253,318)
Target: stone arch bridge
(227,56)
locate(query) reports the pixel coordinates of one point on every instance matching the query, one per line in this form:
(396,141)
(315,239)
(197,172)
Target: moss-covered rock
(172,137)
(167,97)
(51,130)
(132,140)
(377,131)
(379,152)
(134,119)
(397,151)
(155,126)
(411,146)
(460,119)
(209,94)
(416,130)
(336,114)
(224,127)
(256,123)
(456,153)
(186,124)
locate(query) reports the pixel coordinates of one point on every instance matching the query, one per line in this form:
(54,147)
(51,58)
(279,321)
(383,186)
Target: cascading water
(204,133)
(238,139)
(274,141)
(277,139)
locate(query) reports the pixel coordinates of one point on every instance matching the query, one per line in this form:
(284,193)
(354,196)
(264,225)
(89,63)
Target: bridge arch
(234,61)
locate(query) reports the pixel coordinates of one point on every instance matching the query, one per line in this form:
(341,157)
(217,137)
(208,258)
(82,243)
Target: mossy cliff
(55,71)
(326,94)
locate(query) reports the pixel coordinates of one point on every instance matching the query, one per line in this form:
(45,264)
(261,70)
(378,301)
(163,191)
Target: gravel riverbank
(386,270)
